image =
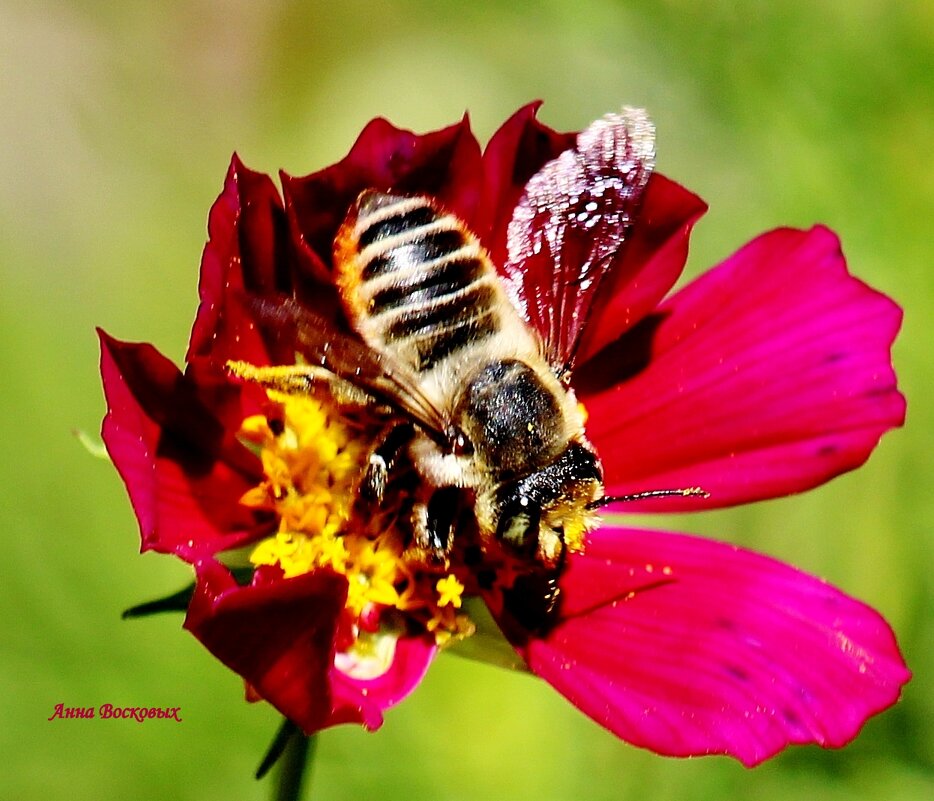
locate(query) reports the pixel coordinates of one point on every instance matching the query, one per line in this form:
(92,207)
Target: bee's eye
(462,445)
(519,525)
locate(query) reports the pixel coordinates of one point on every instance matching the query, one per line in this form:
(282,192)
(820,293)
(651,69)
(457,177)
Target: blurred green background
(116,125)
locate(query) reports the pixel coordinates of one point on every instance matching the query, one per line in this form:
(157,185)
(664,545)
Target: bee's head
(539,515)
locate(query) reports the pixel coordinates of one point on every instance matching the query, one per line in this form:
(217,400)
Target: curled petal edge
(280,635)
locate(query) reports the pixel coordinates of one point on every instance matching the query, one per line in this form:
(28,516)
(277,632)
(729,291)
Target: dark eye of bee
(460,444)
(521,503)
(519,521)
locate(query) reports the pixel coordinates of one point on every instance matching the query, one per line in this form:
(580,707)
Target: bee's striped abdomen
(414,280)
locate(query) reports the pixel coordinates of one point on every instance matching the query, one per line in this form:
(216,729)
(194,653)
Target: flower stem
(296,758)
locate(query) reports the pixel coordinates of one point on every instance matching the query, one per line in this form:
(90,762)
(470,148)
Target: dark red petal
(247,252)
(769,375)
(687,646)
(171,437)
(249,255)
(518,150)
(651,263)
(444,164)
(279,636)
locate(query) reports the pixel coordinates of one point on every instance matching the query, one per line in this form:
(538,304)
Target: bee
(418,285)
(474,360)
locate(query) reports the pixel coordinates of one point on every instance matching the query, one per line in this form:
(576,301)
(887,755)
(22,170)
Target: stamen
(313,455)
(449,591)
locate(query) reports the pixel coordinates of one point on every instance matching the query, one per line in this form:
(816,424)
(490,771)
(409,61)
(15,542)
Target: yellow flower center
(313,457)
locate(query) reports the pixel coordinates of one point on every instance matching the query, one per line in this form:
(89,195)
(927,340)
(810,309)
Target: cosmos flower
(767,376)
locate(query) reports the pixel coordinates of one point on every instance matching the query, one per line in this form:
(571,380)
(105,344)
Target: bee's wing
(571,222)
(318,341)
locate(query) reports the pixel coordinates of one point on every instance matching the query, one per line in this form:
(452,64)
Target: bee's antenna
(688,492)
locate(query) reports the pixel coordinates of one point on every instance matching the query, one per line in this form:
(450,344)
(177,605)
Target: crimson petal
(768,375)
(687,647)
(444,164)
(652,261)
(247,252)
(279,635)
(518,150)
(170,437)
(656,248)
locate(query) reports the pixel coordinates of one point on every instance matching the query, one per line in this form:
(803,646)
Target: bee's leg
(531,603)
(296,379)
(382,460)
(434,521)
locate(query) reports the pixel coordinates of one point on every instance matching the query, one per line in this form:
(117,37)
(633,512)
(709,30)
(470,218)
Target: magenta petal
(444,164)
(363,700)
(768,375)
(687,647)
(279,636)
(170,437)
